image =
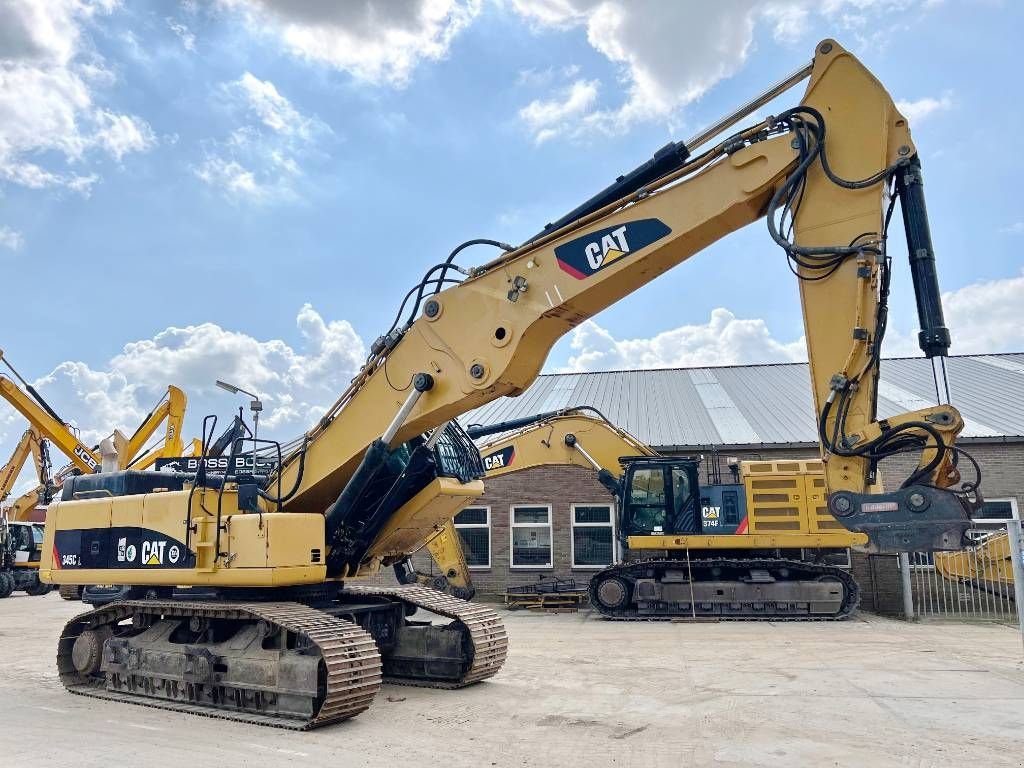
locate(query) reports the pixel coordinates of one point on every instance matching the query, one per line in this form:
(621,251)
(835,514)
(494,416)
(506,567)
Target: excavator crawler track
(341,662)
(484,630)
(763,607)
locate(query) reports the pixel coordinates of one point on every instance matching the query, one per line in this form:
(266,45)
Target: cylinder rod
(746,109)
(933,338)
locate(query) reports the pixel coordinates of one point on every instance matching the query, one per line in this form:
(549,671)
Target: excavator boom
(49,425)
(489,336)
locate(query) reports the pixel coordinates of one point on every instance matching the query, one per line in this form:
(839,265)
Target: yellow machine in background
(986,565)
(757,547)
(256,616)
(170,409)
(30,444)
(20,540)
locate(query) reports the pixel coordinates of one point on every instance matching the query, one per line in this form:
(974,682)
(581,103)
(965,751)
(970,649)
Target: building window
(593,536)
(531,536)
(474,527)
(996,511)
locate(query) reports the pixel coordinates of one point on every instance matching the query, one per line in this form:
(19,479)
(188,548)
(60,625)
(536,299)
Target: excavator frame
(253,565)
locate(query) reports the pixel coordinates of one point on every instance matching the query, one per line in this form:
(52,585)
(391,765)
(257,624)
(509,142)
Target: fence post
(906,589)
(1013,532)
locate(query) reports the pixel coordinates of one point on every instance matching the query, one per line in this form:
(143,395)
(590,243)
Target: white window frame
(512,525)
(573,525)
(1014,513)
(490,536)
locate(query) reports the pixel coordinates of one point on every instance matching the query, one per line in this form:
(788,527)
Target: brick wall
(1002,464)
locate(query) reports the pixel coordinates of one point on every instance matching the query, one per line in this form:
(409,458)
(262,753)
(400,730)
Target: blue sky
(244,189)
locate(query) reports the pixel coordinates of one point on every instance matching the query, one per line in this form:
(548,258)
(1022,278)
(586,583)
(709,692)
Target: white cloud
(723,340)
(547,119)
(983,318)
(921,109)
(272,109)
(233,179)
(259,161)
(661,75)
(11,239)
(121,134)
(375,41)
(536,78)
(296,385)
(49,121)
(187,37)
(1017,228)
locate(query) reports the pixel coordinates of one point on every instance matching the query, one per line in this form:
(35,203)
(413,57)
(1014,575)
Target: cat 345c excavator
(261,617)
(754,548)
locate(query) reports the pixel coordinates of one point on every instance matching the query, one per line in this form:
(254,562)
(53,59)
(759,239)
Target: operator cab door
(661,497)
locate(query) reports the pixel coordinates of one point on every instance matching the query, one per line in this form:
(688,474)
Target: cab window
(647,500)
(684,507)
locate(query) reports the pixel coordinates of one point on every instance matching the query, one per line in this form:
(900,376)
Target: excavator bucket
(915,519)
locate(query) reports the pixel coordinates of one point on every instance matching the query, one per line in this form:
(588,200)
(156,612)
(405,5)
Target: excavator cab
(660,495)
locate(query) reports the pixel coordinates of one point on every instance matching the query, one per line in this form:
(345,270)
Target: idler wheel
(613,592)
(87,652)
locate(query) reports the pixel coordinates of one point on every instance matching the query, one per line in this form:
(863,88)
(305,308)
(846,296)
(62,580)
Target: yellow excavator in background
(30,444)
(131,452)
(30,404)
(985,565)
(171,409)
(258,617)
(754,548)
(21,540)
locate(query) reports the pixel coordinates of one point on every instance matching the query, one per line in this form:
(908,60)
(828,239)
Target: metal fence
(975,584)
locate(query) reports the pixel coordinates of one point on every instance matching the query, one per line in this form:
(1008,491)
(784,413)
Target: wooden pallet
(548,602)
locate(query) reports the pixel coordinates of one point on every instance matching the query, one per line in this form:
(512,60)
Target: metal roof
(757,405)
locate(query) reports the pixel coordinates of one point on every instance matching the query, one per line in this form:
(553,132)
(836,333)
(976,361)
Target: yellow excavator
(21,540)
(754,548)
(986,565)
(261,616)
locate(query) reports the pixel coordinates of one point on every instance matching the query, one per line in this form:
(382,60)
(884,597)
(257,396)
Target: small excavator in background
(21,540)
(259,616)
(755,548)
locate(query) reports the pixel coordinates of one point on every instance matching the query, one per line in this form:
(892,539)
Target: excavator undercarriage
(309,658)
(768,589)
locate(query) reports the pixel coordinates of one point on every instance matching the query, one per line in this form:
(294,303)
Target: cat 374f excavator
(755,548)
(261,617)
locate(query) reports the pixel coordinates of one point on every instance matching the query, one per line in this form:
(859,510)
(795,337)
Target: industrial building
(558,521)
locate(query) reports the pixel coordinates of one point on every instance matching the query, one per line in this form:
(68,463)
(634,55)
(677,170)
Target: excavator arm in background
(49,425)
(170,409)
(30,444)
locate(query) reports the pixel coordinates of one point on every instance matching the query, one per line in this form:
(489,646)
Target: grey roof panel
(765,404)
